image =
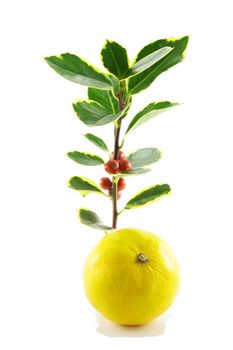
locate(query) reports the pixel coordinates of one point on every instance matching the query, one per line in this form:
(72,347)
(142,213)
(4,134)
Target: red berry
(124,165)
(105,183)
(112,166)
(121,184)
(120,155)
(118,194)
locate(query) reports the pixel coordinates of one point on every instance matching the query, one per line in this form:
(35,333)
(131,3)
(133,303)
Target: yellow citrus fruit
(131,276)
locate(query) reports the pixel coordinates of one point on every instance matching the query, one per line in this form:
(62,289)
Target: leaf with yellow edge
(147,196)
(84,185)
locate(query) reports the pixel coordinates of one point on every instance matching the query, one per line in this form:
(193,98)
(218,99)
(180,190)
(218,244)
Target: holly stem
(117,129)
(114,203)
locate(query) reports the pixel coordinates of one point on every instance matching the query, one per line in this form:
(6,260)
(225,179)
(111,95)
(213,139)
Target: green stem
(117,129)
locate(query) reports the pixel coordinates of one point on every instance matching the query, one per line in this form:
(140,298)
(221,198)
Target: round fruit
(112,166)
(120,155)
(124,165)
(131,276)
(121,184)
(105,183)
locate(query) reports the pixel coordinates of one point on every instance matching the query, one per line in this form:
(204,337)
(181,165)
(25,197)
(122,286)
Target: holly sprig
(109,99)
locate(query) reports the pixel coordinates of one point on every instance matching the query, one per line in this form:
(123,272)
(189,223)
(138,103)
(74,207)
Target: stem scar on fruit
(141,258)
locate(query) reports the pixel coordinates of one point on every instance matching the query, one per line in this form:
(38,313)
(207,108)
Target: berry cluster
(106,184)
(114,167)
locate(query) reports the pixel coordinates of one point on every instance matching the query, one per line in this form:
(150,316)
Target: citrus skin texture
(131,276)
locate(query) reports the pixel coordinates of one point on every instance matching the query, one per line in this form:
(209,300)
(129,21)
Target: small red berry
(121,184)
(112,166)
(125,165)
(118,194)
(120,155)
(105,183)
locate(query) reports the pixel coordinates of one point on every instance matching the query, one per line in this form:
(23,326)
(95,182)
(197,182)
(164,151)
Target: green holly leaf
(84,185)
(92,113)
(89,218)
(143,80)
(148,61)
(147,196)
(149,112)
(97,141)
(115,59)
(105,98)
(85,158)
(74,68)
(144,156)
(115,84)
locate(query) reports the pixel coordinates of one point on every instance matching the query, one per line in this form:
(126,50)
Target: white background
(43,246)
